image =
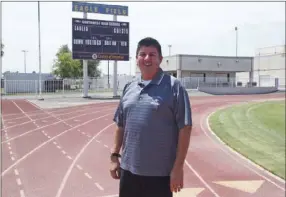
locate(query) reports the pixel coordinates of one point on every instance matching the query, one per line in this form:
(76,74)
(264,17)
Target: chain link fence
(104,85)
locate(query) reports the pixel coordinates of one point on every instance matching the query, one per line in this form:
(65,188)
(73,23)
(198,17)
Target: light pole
(169,49)
(108,85)
(25,67)
(40,58)
(236,31)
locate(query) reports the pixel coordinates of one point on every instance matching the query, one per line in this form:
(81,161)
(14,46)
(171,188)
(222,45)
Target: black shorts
(132,185)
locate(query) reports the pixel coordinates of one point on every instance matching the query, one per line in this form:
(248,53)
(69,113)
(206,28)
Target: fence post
(276,82)
(63,86)
(36,87)
(5,86)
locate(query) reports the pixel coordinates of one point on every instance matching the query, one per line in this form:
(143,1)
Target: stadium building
(198,70)
(261,70)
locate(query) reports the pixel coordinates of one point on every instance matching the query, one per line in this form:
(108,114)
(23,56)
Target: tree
(93,70)
(2,49)
(66,67)
(63,49)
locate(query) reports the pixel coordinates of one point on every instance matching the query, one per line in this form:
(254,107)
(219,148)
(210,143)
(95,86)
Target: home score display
(100,39)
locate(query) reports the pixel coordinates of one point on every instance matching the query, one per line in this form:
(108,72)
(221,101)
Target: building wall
(215,67)
(171,63)
(24,82)
(216,63)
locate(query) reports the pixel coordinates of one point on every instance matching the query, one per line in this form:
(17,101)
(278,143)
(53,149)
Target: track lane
(43,115)
(12,116)
(223,167)
(42,157)
(88,166)
(40,142)
(48,124)
(8,107)
(202,157)
(240,169)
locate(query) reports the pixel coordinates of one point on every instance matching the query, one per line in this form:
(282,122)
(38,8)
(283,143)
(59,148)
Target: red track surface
(65,152)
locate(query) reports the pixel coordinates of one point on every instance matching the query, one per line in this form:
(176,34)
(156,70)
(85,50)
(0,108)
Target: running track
(65,153)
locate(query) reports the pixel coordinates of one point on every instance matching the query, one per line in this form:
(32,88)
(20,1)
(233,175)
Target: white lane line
(49,136)
(69,157)
(22,194)
(9,147)
(201,179)
(63,111)
(61,121)
(98,141)
(55,116)
(64,152)
(8,144)
(87,175)
(59,192)
(99,186)
(48,141)
(19,181)
(79,167)
(16,172)
(115,195)
(22,111)
(222,145)
(12,158)
(11,153)
(59,147)
(105,146)
(55,143)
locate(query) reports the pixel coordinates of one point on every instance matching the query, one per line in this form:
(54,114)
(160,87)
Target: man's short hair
(148,41)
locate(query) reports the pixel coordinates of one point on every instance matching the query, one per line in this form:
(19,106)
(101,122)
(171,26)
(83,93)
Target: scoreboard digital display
(100,39)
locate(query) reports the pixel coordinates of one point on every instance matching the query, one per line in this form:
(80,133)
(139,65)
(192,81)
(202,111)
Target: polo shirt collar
(157,79)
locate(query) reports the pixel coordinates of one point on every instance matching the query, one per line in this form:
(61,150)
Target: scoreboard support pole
(115,87)
(85,71)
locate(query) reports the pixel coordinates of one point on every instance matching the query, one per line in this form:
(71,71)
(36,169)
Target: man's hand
(177,179)
(115,168)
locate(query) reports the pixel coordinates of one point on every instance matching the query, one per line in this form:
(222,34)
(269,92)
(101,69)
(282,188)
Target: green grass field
(256,130)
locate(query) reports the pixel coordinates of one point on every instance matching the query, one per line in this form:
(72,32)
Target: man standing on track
(154,125)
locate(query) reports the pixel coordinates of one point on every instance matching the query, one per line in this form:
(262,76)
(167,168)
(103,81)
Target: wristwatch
(114,155)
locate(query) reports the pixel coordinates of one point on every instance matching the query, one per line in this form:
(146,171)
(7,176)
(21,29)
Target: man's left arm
(183,146)
(184,122)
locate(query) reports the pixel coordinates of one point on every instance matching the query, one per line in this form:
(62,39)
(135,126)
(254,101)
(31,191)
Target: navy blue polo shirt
(151,117)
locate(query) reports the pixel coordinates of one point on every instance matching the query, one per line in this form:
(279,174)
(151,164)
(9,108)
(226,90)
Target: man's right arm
(118,119)
(118,138)
(118,134)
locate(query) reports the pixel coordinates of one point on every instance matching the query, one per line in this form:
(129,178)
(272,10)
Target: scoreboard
(100,39)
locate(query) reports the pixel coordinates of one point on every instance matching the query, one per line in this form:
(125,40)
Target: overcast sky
(205,28)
